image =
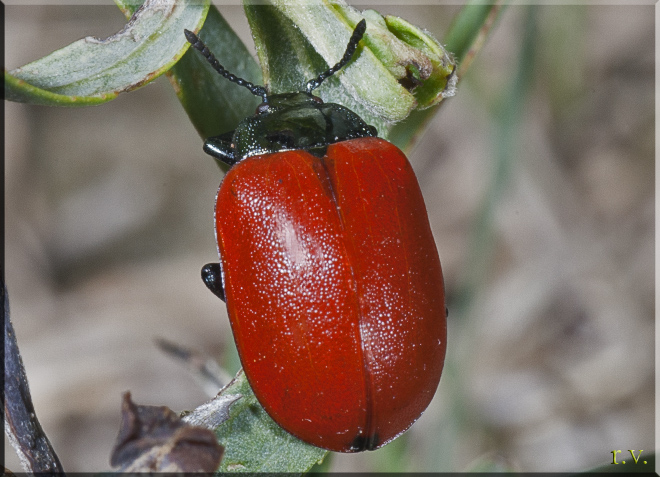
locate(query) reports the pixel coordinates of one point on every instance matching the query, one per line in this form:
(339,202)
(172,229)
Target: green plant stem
(510,117)
(469,30)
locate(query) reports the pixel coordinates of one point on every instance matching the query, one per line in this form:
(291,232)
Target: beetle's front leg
(222,148)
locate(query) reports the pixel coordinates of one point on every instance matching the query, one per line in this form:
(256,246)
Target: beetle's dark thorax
(287,122)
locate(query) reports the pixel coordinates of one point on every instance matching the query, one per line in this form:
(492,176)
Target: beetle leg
(212,277)
(221,148)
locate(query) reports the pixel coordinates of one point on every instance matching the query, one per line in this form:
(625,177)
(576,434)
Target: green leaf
(466,35)
(295,42)
(214,104)
(255,443)
(432,67)
(92,71)
(288,60)
(21,92)
(129,7)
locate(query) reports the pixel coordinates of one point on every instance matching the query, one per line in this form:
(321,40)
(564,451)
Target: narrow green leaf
(93,71)
(469,29)
(255,443)
(509,113)
(21,92)
(214,104)
(465,27)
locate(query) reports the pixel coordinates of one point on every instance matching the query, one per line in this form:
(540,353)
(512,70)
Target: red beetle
(329,269)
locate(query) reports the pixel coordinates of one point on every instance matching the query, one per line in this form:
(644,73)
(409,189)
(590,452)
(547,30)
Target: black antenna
(350,50)
(201,47)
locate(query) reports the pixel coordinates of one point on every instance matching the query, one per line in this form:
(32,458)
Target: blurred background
(539,182)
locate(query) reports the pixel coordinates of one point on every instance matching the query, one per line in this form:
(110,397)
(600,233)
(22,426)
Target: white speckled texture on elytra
(332,278)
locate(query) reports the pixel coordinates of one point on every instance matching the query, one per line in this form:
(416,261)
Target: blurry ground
(548,249)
